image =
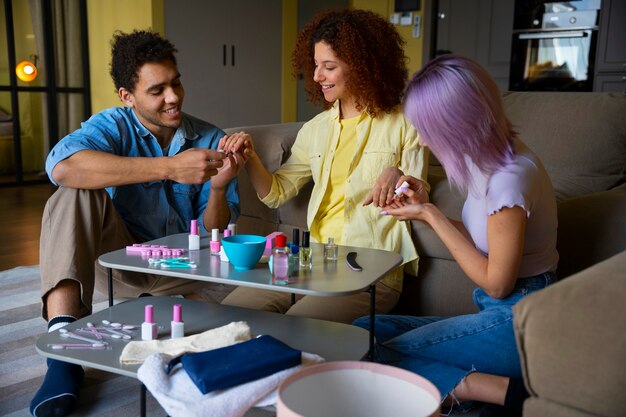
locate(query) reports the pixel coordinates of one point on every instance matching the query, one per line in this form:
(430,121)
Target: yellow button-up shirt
(387,140)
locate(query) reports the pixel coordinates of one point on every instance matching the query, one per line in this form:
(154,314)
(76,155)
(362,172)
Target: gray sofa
(572,343)
(571,336)
(581,139)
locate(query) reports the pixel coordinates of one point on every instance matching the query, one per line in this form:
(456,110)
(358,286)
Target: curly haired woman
(354,151)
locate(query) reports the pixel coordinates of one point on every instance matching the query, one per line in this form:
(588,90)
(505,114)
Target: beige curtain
(67,51)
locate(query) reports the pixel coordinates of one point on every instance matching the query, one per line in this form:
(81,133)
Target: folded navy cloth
(236,364)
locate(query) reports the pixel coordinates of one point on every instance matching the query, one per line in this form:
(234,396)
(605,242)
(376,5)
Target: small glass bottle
(330,250)
(280,261)
(306,258)
(294,252)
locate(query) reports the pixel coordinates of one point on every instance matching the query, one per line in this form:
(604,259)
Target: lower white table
(332,341)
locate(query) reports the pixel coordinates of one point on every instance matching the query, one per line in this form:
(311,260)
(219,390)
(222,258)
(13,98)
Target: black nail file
(351,261)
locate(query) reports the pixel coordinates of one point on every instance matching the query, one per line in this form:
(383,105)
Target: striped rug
(22,369)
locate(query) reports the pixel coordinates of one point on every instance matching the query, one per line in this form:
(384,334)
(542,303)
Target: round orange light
(26,71)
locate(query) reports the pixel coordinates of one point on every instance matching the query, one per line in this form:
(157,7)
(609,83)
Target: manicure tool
(95,346)
(183,262)
(68,334)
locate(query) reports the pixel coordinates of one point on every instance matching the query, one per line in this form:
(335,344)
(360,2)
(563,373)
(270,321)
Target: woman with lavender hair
(506,242)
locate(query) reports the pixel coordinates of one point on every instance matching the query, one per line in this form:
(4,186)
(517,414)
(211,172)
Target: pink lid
(149,314)
(178,313)
(194,227)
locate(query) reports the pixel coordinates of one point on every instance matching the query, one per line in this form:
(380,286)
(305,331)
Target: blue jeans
(445,350)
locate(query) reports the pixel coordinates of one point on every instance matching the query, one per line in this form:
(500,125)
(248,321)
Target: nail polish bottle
(330,250)
(194,237)
(148,327)
(178,326)
(223,256)
(280,261)
(306,258)
(215,244)
(294,252)
(233,229)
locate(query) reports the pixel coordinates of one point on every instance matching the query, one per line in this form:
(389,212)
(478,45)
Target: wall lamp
(27,70)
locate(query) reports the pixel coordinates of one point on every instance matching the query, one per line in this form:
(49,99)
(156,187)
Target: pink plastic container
(357,389)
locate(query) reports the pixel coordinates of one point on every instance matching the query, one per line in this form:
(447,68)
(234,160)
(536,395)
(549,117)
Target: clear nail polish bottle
(330,250)
(306,258)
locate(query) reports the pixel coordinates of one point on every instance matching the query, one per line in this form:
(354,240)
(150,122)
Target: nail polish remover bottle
(148,327)
(178,326)
(280,261)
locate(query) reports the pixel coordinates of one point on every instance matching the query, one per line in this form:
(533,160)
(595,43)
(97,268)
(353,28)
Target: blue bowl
(244,251)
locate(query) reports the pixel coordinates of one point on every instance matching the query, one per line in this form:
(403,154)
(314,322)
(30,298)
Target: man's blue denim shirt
(158,208)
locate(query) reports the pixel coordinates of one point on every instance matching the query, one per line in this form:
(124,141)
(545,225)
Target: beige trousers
(77,227)
(344,309)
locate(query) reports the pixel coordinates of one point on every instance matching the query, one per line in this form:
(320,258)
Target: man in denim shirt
(128,175)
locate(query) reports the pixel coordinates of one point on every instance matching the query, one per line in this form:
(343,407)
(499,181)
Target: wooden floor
(20,224)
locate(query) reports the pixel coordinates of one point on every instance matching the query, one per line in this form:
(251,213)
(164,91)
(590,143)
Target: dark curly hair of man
(368,44)
(130,51)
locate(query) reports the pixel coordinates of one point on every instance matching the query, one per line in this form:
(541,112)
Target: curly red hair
(368,44)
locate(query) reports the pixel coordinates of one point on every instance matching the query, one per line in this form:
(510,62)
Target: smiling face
(157,99)
(331,74)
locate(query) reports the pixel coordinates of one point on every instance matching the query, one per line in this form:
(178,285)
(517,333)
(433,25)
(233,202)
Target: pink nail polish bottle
(215,244)
(149,327)
(194,237)
(178,326)
(223,256)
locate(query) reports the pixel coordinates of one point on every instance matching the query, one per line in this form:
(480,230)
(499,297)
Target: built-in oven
(554,45)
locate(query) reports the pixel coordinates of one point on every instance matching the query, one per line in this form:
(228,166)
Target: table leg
(372,291)
(293,298)
(110,274)
(142,401)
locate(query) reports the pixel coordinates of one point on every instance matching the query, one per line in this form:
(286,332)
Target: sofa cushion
(273,145)
(572,343)
(591,228)
(579,137)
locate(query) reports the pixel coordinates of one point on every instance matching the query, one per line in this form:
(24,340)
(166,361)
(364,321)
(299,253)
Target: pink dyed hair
(457,108)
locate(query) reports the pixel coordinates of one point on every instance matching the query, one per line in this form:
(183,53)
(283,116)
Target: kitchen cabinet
(478,29)
(229,57)
(610,70)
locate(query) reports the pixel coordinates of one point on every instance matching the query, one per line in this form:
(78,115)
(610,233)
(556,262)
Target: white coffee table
(325,279)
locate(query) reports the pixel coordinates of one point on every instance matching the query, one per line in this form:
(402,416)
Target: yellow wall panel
(104,18)
(413,46)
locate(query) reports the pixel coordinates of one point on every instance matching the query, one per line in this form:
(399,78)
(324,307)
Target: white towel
(179,396)
(137,351)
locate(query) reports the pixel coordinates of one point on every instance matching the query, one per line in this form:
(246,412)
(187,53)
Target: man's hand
(384,189)
(196,165)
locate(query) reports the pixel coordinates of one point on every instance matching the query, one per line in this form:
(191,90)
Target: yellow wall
(289,85)
(103,18)
(413,46)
